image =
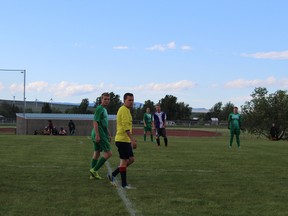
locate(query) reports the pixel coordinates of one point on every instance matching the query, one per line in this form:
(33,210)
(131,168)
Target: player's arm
(133,140)
(229,120)
(144,122)
(164,122)
(97,137)
(240,123)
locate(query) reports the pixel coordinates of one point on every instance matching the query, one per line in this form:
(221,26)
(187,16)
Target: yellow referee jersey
(124,123)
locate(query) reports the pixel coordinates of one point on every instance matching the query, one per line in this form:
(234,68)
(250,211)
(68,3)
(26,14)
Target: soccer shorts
(125,150)
(103,145)
(161,132)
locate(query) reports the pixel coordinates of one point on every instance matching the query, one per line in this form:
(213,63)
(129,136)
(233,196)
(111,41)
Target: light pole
(24,92)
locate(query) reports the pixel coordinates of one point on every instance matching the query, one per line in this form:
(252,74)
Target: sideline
(122,193)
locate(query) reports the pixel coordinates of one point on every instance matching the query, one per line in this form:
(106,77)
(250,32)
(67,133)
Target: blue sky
(201,52)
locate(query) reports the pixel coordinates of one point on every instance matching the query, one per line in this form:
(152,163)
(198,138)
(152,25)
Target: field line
(108,167)
(122,194)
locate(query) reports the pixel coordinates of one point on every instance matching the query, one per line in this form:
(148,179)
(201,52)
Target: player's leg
(158,136)
(95,158)
(145,132)
(105,146)
(96,154)
(238,137)
(164,136)
(231,137)
(151,134)
(125,152)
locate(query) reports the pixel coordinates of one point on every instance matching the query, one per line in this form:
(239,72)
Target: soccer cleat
(95,174)
(92,177)
(128,187)
(111,178)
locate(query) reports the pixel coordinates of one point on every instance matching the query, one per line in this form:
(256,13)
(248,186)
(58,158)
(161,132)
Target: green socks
(93,163)
(100,163)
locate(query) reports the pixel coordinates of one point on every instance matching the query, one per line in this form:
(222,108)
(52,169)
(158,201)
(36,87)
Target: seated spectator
(62,131)
(46,131)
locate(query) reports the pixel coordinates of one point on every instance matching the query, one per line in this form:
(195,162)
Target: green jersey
(147,119)
(101,117)
(234,121)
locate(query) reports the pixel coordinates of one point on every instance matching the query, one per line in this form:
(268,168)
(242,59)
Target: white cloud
(186,47)
(162,47)
(1,86)
(173,86)
(242,83)
(240,99)
(14,87)
(121,47)
(66,89)
(37,86)
(268,55)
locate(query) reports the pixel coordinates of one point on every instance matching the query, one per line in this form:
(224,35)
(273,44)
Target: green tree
(265,109)
(175,110)
(82,109)
(216,110)
(46,108)
(225,111)
(8,110)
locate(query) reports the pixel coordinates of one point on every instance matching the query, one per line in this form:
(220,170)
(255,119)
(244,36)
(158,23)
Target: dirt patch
(182,132)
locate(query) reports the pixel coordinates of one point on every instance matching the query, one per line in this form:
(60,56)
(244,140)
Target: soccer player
(234,125)
(100,136)
(159,124)
(147,121)
(124,139)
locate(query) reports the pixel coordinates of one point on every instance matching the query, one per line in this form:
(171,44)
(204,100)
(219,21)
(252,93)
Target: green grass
(49,175)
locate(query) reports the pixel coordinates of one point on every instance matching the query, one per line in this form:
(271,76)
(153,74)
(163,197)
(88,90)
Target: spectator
(274,132)
(72,127)
(62,131)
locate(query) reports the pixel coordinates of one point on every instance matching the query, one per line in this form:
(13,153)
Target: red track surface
(183,133)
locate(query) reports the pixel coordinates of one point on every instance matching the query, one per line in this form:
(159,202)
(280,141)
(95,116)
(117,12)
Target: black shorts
(161,132)
(125,150)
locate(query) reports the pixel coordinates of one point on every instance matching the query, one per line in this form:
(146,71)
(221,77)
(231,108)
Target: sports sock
(116,172)
(231,139)
(93,163)
(100,163)
(166,141)
(158,141)
(123,176)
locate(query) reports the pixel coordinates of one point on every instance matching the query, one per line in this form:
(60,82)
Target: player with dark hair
(100,137)
(234,125)
(159,124)
(147,121)
(125,141)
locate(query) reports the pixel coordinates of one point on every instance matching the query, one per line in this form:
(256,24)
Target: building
(31,122)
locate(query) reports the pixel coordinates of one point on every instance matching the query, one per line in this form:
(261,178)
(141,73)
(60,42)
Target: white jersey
(159,119)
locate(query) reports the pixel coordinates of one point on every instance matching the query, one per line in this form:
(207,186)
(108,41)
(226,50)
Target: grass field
(49,175)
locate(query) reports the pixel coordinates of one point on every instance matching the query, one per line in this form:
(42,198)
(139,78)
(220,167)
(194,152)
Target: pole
(24,94)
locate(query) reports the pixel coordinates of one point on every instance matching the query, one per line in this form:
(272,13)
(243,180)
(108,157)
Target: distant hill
(200,110)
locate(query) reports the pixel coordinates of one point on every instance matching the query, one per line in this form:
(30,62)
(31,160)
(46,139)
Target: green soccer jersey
(234,120)
(147,119)
(101,117)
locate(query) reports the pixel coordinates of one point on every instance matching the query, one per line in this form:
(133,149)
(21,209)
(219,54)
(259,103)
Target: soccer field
(49,175)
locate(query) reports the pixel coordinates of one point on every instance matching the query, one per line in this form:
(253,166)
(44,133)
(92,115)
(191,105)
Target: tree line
(258,114)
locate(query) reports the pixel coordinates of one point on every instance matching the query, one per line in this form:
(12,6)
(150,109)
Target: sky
(202,52)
